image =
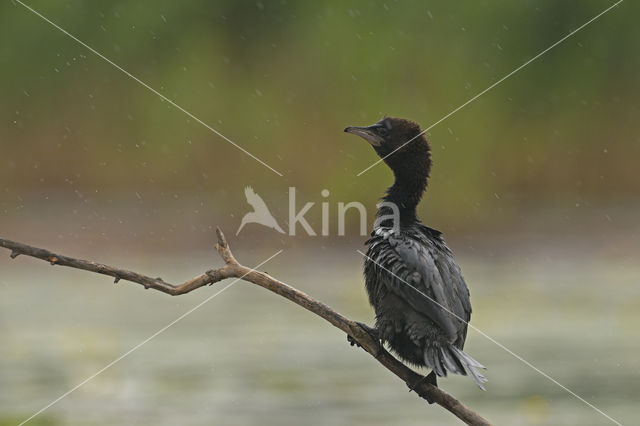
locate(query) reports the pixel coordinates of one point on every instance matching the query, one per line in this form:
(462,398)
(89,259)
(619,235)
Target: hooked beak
(367,133)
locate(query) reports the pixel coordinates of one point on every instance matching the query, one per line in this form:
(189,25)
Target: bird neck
(405,193)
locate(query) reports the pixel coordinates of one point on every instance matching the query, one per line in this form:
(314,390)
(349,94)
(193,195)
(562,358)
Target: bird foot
(430,378)
(372,332)
(353,341)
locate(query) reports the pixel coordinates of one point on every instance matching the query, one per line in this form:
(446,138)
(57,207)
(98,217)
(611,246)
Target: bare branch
(223,249)
(209,277)
(233,269)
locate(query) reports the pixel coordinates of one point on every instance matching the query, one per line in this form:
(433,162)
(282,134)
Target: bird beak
(367,133)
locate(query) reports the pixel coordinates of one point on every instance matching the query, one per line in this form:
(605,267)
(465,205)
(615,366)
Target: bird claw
(429,378)
(375,335)
(372,332)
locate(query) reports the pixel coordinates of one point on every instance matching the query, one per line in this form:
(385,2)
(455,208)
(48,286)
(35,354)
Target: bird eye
(383,131)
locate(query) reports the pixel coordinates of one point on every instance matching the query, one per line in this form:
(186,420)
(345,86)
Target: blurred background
(535,185)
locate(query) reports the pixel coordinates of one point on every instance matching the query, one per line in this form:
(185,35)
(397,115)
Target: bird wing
(254,199)
(455,286)
(423,275)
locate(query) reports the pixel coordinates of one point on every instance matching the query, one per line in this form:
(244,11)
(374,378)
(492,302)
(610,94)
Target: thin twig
(233,269)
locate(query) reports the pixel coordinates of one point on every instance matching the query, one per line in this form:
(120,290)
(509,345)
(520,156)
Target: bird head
(400,143)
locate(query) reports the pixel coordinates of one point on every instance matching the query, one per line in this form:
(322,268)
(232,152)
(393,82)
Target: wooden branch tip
(359,333)
(223,249)
(221,239)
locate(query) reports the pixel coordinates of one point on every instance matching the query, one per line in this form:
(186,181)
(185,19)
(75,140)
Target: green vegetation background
(283,78)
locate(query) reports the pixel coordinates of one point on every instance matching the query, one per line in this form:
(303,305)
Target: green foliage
(283,79)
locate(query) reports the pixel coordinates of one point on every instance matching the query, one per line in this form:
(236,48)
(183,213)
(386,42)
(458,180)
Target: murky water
(250,357)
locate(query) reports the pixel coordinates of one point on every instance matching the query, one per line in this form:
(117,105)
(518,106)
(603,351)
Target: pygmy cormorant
(420,298)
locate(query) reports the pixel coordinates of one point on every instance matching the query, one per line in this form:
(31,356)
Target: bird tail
(443,359)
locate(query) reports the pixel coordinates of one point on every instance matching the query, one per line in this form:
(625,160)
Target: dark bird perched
(420,298)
